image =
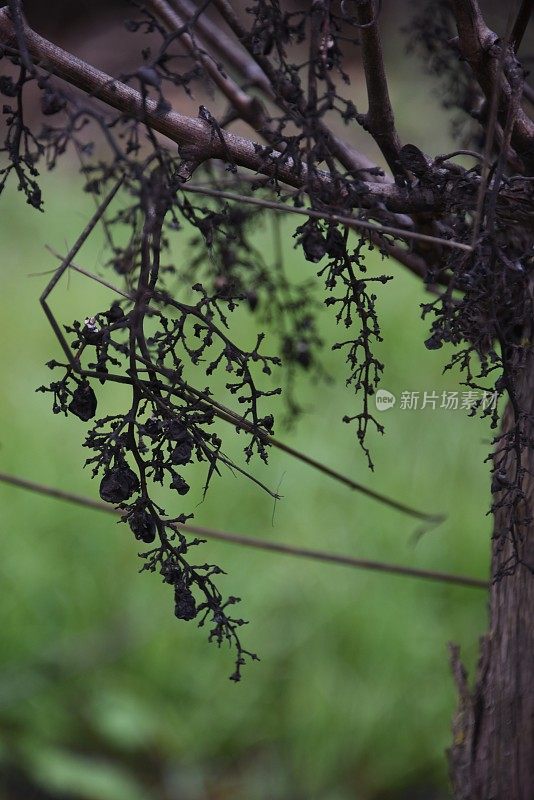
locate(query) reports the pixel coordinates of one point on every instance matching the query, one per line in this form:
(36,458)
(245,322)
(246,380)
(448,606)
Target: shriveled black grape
(143,525)
(83,403)
(180,485)
(184,603)
(118,484)
(182,453)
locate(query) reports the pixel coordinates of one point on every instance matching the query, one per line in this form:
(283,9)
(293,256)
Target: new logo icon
(384,400)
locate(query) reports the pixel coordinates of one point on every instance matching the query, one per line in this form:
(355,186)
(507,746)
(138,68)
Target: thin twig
(380,119)
(230,50)
(491,128)
(523,16)
(82,238)
(91,275)
(260,544)
(350,222)
(248,107)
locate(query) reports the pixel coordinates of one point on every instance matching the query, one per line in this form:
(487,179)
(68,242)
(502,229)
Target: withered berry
(433,342)
(83,403)
(335,243)
(91,332)
(252,299)
(149,76)
(143,526)
(115,313)
(176,431)
(118,484)
(302,354)
(182,453)
(171,572)
(313,244)
(184,603)
(178,483)
(151,427)
(51,103)
(8,86)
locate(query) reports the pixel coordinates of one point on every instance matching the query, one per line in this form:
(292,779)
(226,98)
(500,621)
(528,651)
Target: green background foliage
(105,696)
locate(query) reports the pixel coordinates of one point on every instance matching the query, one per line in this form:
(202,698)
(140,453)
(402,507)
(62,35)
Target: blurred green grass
(105,696)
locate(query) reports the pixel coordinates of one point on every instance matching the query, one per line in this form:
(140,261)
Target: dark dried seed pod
(176,431)
(252,300)
(90,332)
(314,245)
(434,342)
(7,86)
(143,526)
(149,76)
(171,572)
(52,103)
(151,427)
(184,603)
(83,403)
(115,313)
(118,484)
(335,243)
(182,453)
(302,354)
(178,483)
(297,350)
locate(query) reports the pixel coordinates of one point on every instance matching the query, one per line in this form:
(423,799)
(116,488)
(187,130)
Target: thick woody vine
(168,331)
